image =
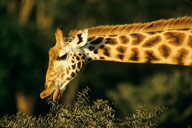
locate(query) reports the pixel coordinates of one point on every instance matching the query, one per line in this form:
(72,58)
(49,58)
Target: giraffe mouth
(57,93)
(55,90)
(46,93)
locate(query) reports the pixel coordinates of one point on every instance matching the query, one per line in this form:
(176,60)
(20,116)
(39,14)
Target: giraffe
(162,42)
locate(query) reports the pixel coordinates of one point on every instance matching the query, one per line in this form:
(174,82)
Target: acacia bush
(84,113)
(172,90)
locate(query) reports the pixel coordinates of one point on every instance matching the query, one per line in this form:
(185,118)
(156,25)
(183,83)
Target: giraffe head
(66,59)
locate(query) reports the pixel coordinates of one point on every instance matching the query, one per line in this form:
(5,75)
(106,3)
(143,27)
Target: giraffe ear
(59,37)
(82,37)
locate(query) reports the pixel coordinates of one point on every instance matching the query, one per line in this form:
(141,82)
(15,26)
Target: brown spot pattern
(152,41)
(183,29)
(175,38)
(137,38)
(190,41)
(164,50)
(182,53)
(89,59)
(72,74)
(150,56)
(111,41)
(101,46)
(97,41)
(95,51)
(121,49)
(83,57)
(134,54)
(112,35)
(91,48)
(79,65)
(91,38)
(124,39)
(120,56)
(153,33)
(73,66)
(77,57)
(106,51)
(67,70)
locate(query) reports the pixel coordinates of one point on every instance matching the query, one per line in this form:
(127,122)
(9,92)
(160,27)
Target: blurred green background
(27,30)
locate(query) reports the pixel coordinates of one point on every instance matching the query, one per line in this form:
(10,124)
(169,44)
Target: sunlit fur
(61,71)
(182,22)
(163,42)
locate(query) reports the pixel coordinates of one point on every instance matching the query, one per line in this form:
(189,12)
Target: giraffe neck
(163,42)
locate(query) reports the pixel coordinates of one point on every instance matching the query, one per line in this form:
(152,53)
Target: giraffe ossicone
(162,42)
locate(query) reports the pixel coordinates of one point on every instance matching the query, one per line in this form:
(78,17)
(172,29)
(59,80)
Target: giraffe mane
(160,25)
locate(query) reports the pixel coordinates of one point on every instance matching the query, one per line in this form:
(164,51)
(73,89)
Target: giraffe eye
(63,57)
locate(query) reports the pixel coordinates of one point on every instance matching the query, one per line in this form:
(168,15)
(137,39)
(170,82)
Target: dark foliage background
(84,114)
(27,30)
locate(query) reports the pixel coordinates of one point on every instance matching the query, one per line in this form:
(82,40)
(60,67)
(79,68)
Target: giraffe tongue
(46,93)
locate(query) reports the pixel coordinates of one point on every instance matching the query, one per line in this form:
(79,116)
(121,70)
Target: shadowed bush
(172,90)
(83,113)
